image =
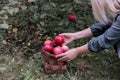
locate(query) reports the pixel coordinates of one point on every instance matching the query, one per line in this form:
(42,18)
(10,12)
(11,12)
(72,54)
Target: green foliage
(25,24)
(29,23)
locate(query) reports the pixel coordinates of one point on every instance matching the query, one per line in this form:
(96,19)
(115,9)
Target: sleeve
(98,28)
(110,37)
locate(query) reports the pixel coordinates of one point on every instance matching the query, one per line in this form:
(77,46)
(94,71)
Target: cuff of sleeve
(89,47)
(93,46)
(98,28)
(92,30)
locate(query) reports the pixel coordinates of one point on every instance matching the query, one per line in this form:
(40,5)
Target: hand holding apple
(67,56)
(68,37)
(58,50)
(65,48)
(59,40)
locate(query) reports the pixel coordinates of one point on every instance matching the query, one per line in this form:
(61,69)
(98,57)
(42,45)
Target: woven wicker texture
(51,65)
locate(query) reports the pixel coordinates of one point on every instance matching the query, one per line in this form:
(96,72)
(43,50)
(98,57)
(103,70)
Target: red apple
(48,42)
(59,40)
(72,17)
(58,50)
(48,48)
(65,48)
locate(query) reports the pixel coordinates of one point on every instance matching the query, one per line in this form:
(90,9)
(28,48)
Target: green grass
(14,65)
(102,66)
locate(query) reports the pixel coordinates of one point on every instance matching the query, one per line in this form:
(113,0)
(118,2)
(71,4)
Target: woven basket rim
(48,54)
(54,67)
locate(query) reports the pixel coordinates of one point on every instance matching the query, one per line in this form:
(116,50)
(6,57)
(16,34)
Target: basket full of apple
(52,48)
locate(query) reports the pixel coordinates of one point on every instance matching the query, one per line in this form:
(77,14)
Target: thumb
(64,44)
(64,34)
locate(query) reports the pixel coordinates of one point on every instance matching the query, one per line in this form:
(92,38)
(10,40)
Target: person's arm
(106,40)
(110,37)
(69,37)
(86,33)
(73,53)
(93,31)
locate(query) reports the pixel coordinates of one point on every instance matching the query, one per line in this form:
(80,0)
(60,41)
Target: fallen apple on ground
(72,17)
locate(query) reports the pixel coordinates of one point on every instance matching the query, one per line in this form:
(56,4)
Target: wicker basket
(51,65)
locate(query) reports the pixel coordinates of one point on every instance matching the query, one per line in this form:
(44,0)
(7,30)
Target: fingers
(65,35)
(62,34)
(62,59)
(64,44)
(60,55)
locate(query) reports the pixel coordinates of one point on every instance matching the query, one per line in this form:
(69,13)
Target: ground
(102,66)
(26,24)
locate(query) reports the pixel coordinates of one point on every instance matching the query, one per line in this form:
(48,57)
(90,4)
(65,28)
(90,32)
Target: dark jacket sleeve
(106,40)
(98,28)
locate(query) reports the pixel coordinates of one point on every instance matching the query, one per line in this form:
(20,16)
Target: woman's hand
(72,53)
(68,37)
(67,56)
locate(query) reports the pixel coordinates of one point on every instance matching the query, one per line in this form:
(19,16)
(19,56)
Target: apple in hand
(48,42)
(57,50)
(65,48)
(72,17)
(48,48)
(59,40)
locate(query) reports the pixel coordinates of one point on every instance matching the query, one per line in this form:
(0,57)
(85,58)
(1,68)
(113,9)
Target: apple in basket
(48,48)
(65,48)
(48,42)
(57,50)
(59,40)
